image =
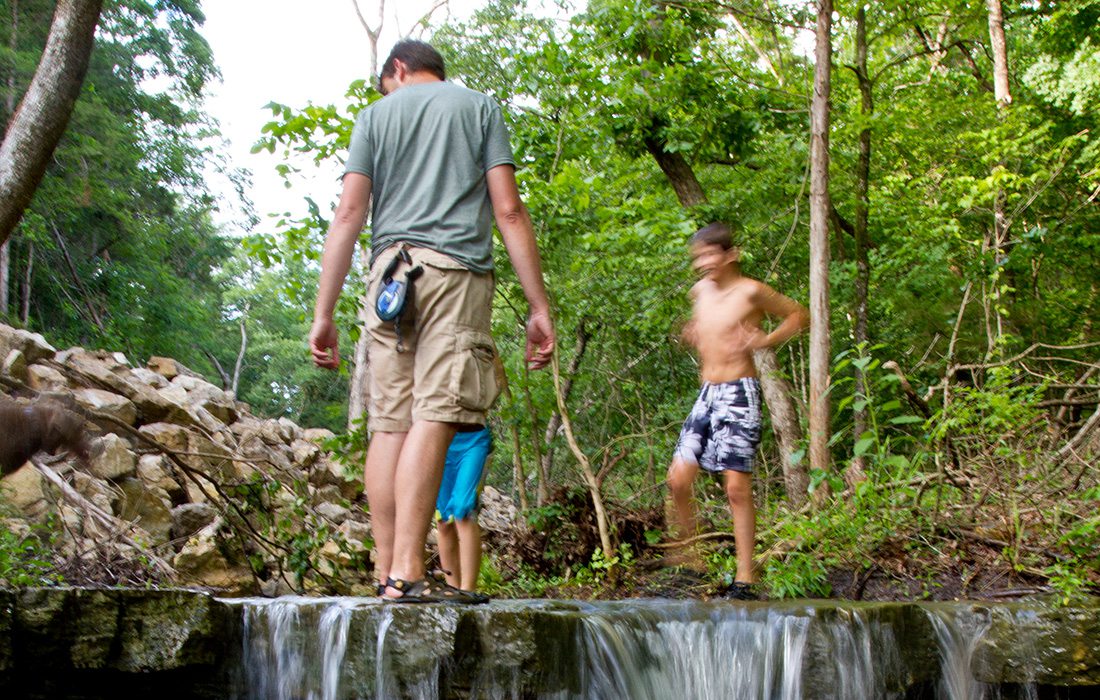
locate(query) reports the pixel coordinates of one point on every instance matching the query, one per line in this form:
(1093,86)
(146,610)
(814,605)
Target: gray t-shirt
(426,149)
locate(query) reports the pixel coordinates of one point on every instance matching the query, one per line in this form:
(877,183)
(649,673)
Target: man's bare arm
(340,242)
(519,240)
(794,315)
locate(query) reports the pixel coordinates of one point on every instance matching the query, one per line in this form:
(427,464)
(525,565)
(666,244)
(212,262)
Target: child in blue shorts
(458,532)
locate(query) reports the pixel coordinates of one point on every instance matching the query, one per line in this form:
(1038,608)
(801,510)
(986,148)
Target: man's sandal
(430,591)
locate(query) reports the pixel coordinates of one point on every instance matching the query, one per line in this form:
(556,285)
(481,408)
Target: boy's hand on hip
(540,340)
(323,344)
(749,338)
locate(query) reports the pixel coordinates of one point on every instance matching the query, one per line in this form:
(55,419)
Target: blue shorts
(723,430)
(461,485)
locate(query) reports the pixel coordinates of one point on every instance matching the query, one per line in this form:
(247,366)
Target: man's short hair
(417,56)
(715,233)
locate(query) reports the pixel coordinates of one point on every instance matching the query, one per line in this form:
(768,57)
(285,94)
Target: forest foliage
(975,390)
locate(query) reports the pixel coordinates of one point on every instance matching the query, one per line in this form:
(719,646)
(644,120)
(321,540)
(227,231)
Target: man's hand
(323,345)
(540,340)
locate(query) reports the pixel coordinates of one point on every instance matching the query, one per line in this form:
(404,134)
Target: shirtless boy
(723,430)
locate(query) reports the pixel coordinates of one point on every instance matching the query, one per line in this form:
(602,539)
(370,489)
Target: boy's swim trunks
(723,429)
(462,475)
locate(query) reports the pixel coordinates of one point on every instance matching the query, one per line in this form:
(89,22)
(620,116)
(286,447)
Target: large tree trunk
(998,236)
(42,115)
(9,109)
(857,471)
(778,392)
(777,395)
(819,243)
(1000,52)
(679,173)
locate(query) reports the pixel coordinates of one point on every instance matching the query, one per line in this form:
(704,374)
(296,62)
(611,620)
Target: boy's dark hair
(715,233)
(417,56)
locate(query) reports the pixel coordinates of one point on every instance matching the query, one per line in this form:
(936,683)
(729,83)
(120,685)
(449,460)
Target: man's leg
(449,557)
(416,485)
(469,550)
(382,454)
(739,493)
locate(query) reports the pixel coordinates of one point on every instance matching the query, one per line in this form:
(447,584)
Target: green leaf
(862,446)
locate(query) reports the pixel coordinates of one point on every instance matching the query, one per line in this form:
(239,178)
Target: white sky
(292,52)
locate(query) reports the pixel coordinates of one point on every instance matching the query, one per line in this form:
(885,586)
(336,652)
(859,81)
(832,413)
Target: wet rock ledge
(117,643)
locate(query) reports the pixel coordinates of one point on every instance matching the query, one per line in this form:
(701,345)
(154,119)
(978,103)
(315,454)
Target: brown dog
(41,426)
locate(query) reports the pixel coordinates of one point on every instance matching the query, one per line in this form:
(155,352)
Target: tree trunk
(819,245)
(679,173)
(9,109)
(857,470)
(999,48)
(360,371)
(42,115)
(778,392)
(589,476)
(777,395)
(998,237)
(555,422)
(542,488)
(27,277)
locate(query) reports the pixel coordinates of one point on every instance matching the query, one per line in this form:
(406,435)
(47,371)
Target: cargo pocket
(473,380)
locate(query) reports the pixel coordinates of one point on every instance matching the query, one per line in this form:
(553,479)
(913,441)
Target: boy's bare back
(726,316)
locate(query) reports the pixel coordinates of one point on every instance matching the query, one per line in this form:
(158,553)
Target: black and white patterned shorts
(723,429)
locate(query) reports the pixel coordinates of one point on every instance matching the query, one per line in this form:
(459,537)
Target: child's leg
(449,545)
(739,493)
(469,551)
(681,477)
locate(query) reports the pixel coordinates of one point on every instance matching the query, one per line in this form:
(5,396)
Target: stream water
(339,649)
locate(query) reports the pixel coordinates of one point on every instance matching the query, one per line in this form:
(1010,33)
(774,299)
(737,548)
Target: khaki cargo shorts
(445,370)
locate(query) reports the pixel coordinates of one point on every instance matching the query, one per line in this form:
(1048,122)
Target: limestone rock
(189,518)
(317,434)
(112,458)
(149,377)
(332,512)
(204,394)
(305,453)
(156,470)
(15,365)
(25,488)
(149,507)
(95,490)
(118,407)
(152,407)
(164,366)
(33,346)
(176,394)
(169,435)
(201,562)
(46,378)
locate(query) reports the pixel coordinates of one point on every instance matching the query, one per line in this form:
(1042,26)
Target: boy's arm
(688,333)
(795,317)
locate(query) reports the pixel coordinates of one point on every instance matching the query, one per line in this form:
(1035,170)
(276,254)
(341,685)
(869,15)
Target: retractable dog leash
(394,294)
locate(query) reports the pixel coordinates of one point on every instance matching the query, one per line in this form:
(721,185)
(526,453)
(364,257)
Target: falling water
(340,649)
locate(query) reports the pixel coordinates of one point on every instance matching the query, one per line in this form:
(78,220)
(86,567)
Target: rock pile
(183,474)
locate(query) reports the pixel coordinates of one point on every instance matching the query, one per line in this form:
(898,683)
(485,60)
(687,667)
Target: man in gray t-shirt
(435,159)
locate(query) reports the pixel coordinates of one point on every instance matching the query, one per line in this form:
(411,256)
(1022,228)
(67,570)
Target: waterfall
(345,649)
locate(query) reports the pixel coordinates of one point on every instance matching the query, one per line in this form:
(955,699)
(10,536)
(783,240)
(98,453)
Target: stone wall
(186,476)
